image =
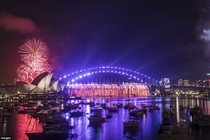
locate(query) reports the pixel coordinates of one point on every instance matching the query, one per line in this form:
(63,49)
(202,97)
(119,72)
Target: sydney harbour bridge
(103,81)
(112,81)
(107,74)
(108,81)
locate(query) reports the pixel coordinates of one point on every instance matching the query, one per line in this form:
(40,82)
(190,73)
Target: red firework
(34,55)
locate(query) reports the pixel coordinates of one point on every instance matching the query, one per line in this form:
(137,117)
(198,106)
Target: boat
(96,110)
(26,111)
(48,135)
(77,114)
(196,110)
(104,106)
(96,116)
(203,121)
(119,105)
(164,129)
(194,124)
(113,109)
(92,104)
(69,107)
(177,131)
(157,107)
(151,108)
(131,124)
(63,127)
(52,120)
(109,115)
(166,114)
(136,113)
(204,124)
(129,106)
(51,131)
(173,136)
(96,119)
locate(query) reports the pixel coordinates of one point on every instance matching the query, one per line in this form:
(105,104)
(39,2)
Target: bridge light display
(109,90)
(135,84)
(107,69)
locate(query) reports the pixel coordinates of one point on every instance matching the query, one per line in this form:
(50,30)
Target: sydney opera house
(43,83)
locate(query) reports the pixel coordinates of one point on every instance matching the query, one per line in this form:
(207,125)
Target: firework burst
(34,55)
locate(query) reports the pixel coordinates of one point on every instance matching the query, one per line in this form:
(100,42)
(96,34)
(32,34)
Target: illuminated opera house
(43,83)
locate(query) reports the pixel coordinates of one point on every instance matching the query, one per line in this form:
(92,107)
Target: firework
(109,90)
(34,55)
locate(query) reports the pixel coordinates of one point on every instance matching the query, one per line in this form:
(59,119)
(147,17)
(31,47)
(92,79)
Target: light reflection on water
(17,124)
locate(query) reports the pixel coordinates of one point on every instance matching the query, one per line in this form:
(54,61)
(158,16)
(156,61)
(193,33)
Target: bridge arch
(132,75)
(133,84)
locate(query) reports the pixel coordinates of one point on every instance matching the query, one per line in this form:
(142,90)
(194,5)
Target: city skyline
(159,39)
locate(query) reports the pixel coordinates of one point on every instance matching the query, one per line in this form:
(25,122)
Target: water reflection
(95,127)
(177,109)
(17,124)
(203,103)
(131,133)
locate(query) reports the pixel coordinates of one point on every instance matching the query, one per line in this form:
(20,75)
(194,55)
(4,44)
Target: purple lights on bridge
(134,75)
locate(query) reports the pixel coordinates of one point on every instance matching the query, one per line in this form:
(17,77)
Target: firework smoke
(17,24)
(204,26)
(34,55)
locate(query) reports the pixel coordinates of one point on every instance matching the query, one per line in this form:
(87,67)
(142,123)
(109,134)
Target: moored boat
(77,113)
(113,109)
(136,113)
(96,119)
(130,124)
(48,135)
(109,115)
(174,133)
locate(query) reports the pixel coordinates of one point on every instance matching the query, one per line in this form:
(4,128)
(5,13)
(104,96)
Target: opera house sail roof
(43,83)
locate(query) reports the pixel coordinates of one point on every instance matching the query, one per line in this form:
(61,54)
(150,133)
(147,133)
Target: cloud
(17,24)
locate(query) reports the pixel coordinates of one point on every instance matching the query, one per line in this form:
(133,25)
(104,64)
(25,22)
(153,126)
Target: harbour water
(16,125)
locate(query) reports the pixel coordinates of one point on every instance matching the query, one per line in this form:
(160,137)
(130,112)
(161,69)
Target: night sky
(159,38)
